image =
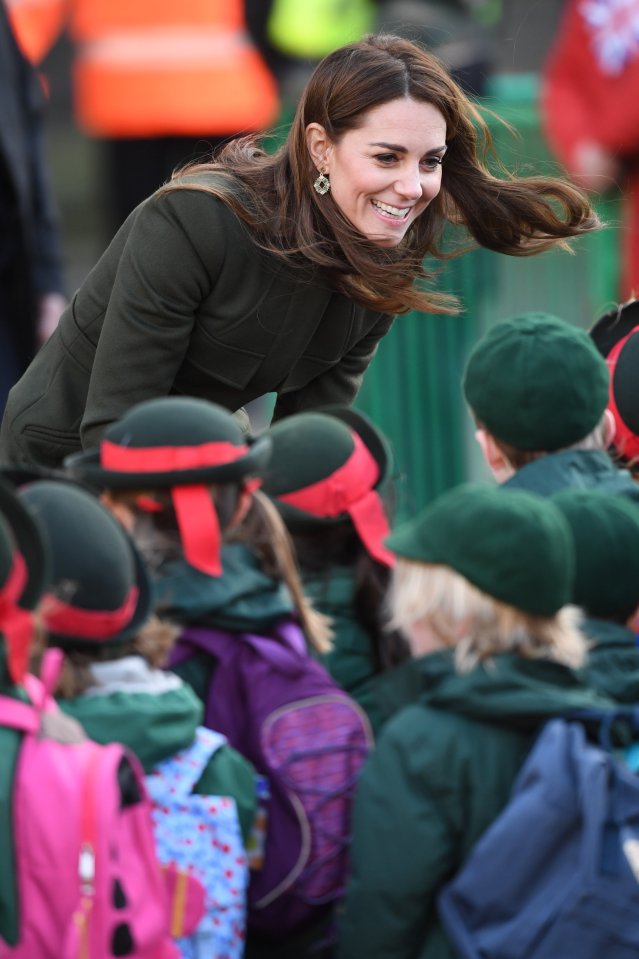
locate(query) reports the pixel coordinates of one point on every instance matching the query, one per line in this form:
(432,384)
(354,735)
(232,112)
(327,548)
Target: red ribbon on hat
(61,617)
(194,507)
(162,459)
(16,623)
(626,442)
(350,490)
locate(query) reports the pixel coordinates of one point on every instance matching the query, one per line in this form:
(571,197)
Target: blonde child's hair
(477,626)
(597,439)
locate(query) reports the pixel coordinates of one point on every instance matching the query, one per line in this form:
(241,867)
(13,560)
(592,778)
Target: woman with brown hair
(259,273)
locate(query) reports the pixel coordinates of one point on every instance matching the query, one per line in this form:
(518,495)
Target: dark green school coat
(441,772)
(183,302)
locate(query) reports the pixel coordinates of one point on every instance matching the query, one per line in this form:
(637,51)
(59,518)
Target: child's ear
(498,463)
(124,514)
(609,428)
(633,621)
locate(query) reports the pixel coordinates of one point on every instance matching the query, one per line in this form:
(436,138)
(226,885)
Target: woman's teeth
(391,210)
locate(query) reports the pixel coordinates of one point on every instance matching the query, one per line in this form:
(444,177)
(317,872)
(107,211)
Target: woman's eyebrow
(396,148)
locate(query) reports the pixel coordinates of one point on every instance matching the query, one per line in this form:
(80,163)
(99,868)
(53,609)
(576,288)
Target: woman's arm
(341,383)
(168,266)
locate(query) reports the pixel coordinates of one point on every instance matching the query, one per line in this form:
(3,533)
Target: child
(605,531)
(538,389)
(98,613)
(181,475)
(325,477)
(615,336)
(480,586)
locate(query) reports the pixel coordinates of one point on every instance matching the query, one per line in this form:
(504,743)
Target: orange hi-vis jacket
(147,68)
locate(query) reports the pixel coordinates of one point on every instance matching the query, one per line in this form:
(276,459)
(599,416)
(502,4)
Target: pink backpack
(88,880)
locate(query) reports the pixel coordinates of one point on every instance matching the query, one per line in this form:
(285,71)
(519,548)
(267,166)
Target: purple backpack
(280,708)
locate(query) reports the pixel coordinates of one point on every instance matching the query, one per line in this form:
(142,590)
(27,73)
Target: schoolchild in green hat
(327,476)
(605,531)
(537,388)
(616,336)
(181,475)
(183,447)
(481,584)
(98,610)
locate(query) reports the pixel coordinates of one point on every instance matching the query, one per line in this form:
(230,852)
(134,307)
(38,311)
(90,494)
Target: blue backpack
(201,836)
(556,875)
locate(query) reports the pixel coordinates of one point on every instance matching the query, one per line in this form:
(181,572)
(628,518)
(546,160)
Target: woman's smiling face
(384,173)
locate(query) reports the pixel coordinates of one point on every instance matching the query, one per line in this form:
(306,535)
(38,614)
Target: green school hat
(605,531)
(100,592)
(536,382)
(182,444)
(511,544)
(25,568)
(326,469)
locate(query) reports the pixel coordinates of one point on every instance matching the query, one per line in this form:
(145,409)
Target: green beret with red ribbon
(24,573)
(327,468)
(100,592)
(182,444)
(616,336)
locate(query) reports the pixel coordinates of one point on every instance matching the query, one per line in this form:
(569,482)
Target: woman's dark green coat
(184,302)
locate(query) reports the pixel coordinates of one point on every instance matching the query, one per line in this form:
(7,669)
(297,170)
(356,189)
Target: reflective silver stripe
(167,47)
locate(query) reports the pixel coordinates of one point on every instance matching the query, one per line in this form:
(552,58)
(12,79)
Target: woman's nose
(409,185)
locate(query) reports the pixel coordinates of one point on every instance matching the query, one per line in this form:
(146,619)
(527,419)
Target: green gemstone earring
(322,185)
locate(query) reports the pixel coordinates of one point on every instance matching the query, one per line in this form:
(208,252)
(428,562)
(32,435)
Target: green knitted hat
(511,544)
(537,383)
(605,531)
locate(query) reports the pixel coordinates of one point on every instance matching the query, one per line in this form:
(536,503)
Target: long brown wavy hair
(273,194)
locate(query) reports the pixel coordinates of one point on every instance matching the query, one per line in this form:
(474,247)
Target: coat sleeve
(341,383)
(170,261)
(403,849)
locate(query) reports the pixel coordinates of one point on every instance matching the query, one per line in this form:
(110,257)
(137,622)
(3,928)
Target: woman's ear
(319,146)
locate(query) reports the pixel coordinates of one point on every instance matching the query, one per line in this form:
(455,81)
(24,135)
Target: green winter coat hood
(613,661)
(574,469)
(154,724)
(507,690)
(242,599)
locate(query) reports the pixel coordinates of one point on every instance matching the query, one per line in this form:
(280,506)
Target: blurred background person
(159,83)
(590,108)
(31,281)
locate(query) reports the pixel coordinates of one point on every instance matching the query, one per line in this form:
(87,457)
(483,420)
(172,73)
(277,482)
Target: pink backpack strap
(18,715)
(41,690)
(26,716)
